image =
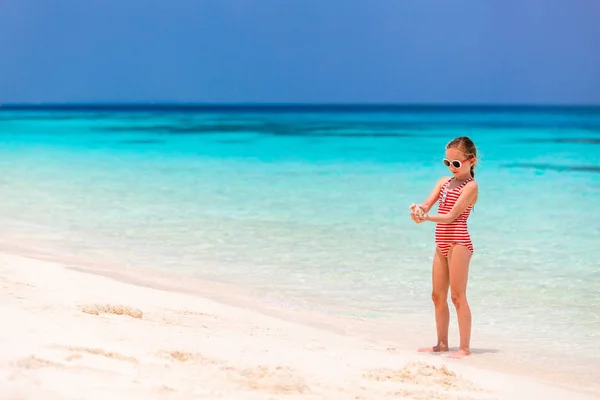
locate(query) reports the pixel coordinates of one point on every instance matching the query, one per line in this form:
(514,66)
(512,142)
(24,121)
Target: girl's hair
(467,146)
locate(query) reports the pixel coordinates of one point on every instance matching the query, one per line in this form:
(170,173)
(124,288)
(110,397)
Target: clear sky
(406,51)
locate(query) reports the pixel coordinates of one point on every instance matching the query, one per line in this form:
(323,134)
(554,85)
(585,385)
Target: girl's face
(458,163)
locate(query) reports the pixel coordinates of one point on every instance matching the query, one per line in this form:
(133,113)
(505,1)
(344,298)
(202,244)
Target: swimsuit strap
(465,182)
(445,185)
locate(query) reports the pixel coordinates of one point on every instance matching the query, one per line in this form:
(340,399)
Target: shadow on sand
(473,351)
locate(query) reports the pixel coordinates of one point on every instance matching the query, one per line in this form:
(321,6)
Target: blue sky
(405,51)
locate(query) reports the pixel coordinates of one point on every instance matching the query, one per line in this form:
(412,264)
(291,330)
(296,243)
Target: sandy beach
(69,334)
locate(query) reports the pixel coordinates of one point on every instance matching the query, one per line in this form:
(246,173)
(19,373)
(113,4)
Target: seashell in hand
(417,209)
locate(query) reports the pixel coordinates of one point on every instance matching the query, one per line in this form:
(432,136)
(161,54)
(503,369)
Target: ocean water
(309,207)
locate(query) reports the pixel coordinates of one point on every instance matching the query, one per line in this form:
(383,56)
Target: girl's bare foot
(435,349)
(460,353)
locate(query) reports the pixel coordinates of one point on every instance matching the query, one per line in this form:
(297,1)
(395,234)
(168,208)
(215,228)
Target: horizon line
(152,103)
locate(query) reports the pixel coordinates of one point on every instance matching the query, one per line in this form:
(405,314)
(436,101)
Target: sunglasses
(455,163)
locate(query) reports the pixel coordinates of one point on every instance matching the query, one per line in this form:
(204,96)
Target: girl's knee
(439,298)
(459,298)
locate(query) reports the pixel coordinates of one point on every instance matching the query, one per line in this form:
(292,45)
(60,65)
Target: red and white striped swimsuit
(447,235)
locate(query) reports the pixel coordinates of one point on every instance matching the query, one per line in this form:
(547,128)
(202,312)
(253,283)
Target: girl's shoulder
(471,185)
(444,179)
(472,182)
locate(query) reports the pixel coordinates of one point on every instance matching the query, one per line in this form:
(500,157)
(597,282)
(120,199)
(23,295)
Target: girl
(456,195)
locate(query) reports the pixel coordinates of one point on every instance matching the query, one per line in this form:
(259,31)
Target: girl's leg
(458,262)
(439,295)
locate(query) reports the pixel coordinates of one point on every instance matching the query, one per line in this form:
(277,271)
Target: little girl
(456,195)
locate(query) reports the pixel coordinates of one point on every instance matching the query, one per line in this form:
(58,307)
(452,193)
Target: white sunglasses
(455,163)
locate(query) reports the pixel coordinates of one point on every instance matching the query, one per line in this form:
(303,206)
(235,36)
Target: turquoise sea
(308,206)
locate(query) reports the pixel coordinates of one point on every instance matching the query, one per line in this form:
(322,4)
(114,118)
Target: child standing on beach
(456,196)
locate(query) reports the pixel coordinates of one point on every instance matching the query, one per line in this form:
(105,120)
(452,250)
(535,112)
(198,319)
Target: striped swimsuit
(447,235)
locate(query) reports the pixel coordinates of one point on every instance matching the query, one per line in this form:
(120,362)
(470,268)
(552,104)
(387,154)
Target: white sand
(67,334)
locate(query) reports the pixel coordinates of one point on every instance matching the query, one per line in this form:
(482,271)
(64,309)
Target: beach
(255,239)
(75,334)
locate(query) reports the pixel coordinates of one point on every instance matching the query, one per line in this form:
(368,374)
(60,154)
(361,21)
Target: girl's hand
(415,217)
(416,213)
(421,218)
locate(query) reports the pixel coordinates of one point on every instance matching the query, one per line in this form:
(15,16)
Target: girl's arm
(467,196)
(434,195)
